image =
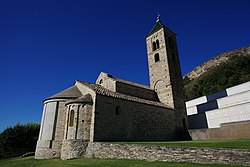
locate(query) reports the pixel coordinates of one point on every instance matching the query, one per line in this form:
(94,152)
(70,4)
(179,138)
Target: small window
(157,44)
(154,46)
(117,110)
(71,118)
(157,57)
(100,82)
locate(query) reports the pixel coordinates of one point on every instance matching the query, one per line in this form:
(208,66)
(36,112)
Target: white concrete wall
(192,110)
(234,107)
(196,101)
(238,89)
(229,114)
(235,99)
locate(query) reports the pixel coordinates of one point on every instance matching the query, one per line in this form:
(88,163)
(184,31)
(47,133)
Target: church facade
(113,109)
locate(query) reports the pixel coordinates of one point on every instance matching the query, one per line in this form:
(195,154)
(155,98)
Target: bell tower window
(157,44)
(154,46)
(157,57)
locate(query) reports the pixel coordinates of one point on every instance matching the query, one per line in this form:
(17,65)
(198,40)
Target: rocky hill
(224,70)
(217,60)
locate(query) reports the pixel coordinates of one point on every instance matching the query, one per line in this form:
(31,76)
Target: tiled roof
(132,83)
(71,92)
(87,99)
(128,82)
(106,92)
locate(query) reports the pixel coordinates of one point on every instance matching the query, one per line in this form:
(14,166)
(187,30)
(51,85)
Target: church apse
(77,126)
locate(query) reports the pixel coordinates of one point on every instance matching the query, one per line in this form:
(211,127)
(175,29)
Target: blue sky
(46,45)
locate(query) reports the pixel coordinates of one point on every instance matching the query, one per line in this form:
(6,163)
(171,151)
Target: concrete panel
(211,105)
(227,115)
(192,110)
(236,99)
(49,121)
(197,101)
(217,95)
(197,121)
(238,89)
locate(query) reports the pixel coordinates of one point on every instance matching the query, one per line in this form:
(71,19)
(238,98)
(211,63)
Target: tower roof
(158,25)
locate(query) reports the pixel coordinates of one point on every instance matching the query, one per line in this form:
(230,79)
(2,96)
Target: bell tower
(164,69)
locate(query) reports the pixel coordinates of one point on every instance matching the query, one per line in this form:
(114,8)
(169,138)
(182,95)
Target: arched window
(71,118)
(117,110)
(100,82)
(154,46)
(157,57)
(157,44)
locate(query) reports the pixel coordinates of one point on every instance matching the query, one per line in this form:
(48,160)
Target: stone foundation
(74,148)
(48,149)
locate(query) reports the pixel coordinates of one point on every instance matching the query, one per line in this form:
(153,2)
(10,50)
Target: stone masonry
(168,153)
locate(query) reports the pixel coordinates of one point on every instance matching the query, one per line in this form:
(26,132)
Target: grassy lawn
(240,144)
(90,162)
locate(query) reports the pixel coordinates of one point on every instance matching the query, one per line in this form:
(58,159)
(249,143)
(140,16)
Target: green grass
(91,162)
(240,144)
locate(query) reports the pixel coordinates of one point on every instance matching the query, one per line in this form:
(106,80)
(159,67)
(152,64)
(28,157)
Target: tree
(19,139)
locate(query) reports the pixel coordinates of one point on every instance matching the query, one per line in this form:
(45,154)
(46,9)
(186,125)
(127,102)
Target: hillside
(223,71)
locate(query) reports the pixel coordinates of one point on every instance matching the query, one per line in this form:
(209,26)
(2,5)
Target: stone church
(114,109)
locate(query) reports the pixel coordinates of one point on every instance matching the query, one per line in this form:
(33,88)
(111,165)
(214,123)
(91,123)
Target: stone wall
(122,120)
(167,153)
(237,130)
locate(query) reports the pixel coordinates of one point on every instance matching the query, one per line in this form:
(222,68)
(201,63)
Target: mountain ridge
(220,72)
(216,60)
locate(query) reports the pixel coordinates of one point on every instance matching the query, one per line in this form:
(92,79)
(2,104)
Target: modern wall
(228,106)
